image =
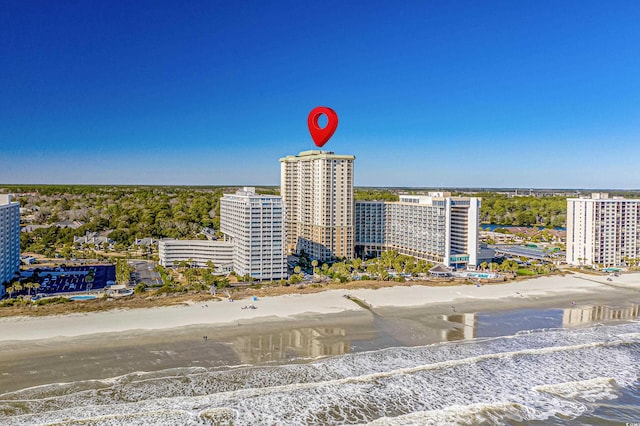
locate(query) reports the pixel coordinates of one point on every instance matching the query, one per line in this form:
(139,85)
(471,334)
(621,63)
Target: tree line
(132,212)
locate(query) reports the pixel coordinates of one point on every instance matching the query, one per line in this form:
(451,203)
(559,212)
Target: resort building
(436,227)
(370,228)
(9,239)
(197,252)
(93,238)
(602,231)
(254,225)
(317,190)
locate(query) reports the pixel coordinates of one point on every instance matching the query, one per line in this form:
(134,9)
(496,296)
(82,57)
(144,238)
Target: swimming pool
(480,275)
(83,297)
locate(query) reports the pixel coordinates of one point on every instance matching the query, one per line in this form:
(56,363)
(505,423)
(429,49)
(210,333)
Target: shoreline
(534,292)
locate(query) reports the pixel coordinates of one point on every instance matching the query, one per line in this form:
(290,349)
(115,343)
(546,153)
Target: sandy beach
(533,291)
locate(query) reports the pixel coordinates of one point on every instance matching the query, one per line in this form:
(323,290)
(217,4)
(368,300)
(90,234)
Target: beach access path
(292,305)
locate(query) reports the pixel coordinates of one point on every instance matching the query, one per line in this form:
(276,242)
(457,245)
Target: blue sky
(429,94)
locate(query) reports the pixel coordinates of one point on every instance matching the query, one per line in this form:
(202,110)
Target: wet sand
(27,363)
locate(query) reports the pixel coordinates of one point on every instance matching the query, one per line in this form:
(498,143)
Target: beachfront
(298,357)
(533,292)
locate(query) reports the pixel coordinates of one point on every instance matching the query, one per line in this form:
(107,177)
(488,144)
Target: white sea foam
(498,413)
(590,390)
(530,376)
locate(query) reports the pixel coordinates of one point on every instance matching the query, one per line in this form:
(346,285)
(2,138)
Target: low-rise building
(92,238)
(197,252)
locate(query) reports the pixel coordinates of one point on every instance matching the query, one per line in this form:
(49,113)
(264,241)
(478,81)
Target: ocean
(579,365)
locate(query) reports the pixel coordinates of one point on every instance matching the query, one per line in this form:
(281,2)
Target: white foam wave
(529,373)
(461,415)
(590,390)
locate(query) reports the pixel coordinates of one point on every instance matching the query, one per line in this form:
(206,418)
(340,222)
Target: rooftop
(316,154)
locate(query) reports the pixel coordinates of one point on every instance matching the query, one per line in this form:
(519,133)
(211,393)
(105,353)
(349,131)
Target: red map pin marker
(322,135)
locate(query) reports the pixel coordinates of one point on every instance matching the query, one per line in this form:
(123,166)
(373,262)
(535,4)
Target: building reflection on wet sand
(302,342)
(466,329)
(311,342)
(590,314)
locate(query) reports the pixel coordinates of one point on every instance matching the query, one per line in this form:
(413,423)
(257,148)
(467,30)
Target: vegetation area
(523,211)
(374,194)
(534,267)
(391,265)
(124,213)
(123,272)
(130,212)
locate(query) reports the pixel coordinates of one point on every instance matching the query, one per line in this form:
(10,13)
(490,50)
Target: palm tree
(10,289)
(28,286)
(483,266)
(15,287)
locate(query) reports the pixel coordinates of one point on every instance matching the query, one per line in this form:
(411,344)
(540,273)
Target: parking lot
(144,273)
(71,279)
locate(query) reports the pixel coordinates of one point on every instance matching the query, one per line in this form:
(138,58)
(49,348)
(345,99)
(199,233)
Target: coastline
(533,292)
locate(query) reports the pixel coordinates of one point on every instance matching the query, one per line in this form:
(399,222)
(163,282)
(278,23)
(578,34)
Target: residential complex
(370,228)
(602,231)
(254,225)
(317,190)
(197,252)
(9,239)
(435,227)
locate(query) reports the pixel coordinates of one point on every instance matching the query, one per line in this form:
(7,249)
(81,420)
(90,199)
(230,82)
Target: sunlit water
(586,375)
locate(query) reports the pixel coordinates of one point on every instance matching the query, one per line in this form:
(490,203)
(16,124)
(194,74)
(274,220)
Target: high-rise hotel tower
(435,227)
(253,224)
(603,231)
(317,190)
(9,239)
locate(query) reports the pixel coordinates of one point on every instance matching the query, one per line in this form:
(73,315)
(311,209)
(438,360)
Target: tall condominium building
(370,228)
(9,239)
(198,252)
(317,189)
(435,227)
(254,225)
(602,231)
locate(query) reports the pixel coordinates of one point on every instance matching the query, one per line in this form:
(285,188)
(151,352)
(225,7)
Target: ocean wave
(589,390)
(496,414)
(530,376)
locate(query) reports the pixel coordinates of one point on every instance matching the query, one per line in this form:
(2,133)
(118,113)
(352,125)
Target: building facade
(9,239)
(435,227)
(317,190)
(199,252)
(602,231)
(254,225)
(370,227)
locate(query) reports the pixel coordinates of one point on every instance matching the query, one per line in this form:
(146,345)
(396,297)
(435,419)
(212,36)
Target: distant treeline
(523,211)
(182,211)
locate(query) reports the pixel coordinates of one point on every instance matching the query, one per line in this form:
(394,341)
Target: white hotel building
(317,190)
(602,231)
(435,227)
(254,225)
(199,252)
(9,239)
